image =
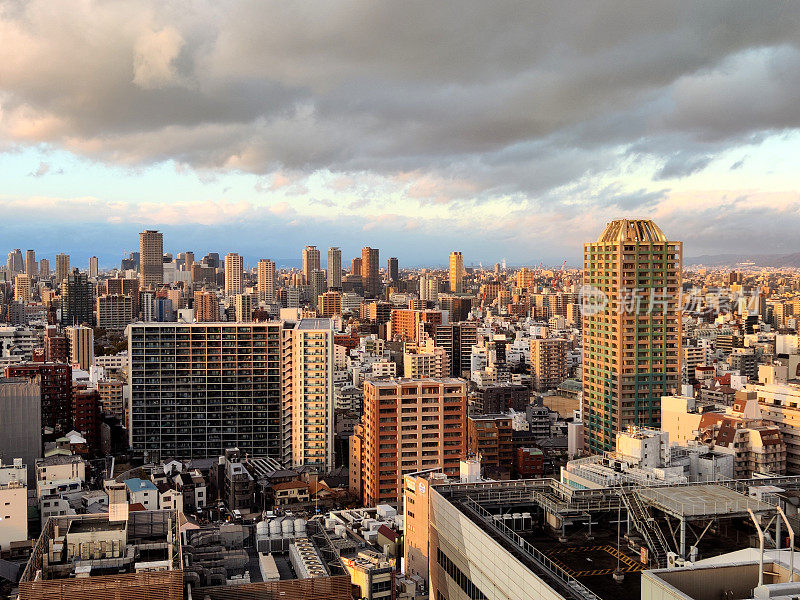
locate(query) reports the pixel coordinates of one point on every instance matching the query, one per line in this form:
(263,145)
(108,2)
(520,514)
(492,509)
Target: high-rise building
(329,304)
(316,284)
(308,394)
(233,273)
(355,266)
(266,280)
(31,268)
(15,262)
(112,397)
(311,262)
(410,425)
(211,406)
(62,267)
(151,258)
(94,268)
(370,272)
(407,324)
(22,288)
(206,307)
(21,416)
(44,269)
(393,269)
(244,308)
(631,329)
(428,288)
(81,346)
(188,261)
(548,362)
(114,311)
(428,360)
(55,383)
(456,273)
(77,305)
(457,339)
(334,268)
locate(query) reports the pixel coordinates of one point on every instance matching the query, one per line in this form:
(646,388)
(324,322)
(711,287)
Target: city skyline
(603,116)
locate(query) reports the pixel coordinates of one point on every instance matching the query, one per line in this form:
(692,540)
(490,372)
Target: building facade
(631,328)
(151,258)
(409,425)
(197,389)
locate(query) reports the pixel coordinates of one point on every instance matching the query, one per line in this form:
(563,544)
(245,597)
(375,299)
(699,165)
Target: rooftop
(701,500)
(632,230)
(315,324)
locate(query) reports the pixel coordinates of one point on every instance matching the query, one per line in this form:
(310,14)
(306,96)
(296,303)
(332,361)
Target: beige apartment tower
(334,268)
(151,258)
(62,267)
(311,259)
(307,385)
(81,346)
(631,329)
(234,268)
(266,280)
(456,273)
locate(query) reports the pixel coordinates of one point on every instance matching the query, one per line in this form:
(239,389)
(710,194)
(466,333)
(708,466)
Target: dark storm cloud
(516,96)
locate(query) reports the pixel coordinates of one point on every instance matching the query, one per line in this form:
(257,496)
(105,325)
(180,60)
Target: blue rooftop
(140,485)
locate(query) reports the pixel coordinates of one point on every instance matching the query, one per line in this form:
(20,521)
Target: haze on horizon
(506,130)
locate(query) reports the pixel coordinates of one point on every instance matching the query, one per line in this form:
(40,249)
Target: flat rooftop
(695,501)
(90,525)
(314,324)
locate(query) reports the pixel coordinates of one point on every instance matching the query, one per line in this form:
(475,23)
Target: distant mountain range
(760,260)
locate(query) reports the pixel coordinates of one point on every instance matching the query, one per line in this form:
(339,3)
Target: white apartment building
(13,503)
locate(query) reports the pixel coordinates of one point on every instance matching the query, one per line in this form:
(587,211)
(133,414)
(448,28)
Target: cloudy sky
(507,130)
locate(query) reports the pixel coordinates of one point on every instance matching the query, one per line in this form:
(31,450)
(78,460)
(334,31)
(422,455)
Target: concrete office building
(456,273)
(21,416)
(266,280)
(81,346)
(62,267)
(632,335)
(409,425)
(370,272)
(233,273)
(151,259)
(308,394)
(197,389)
(334,268)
